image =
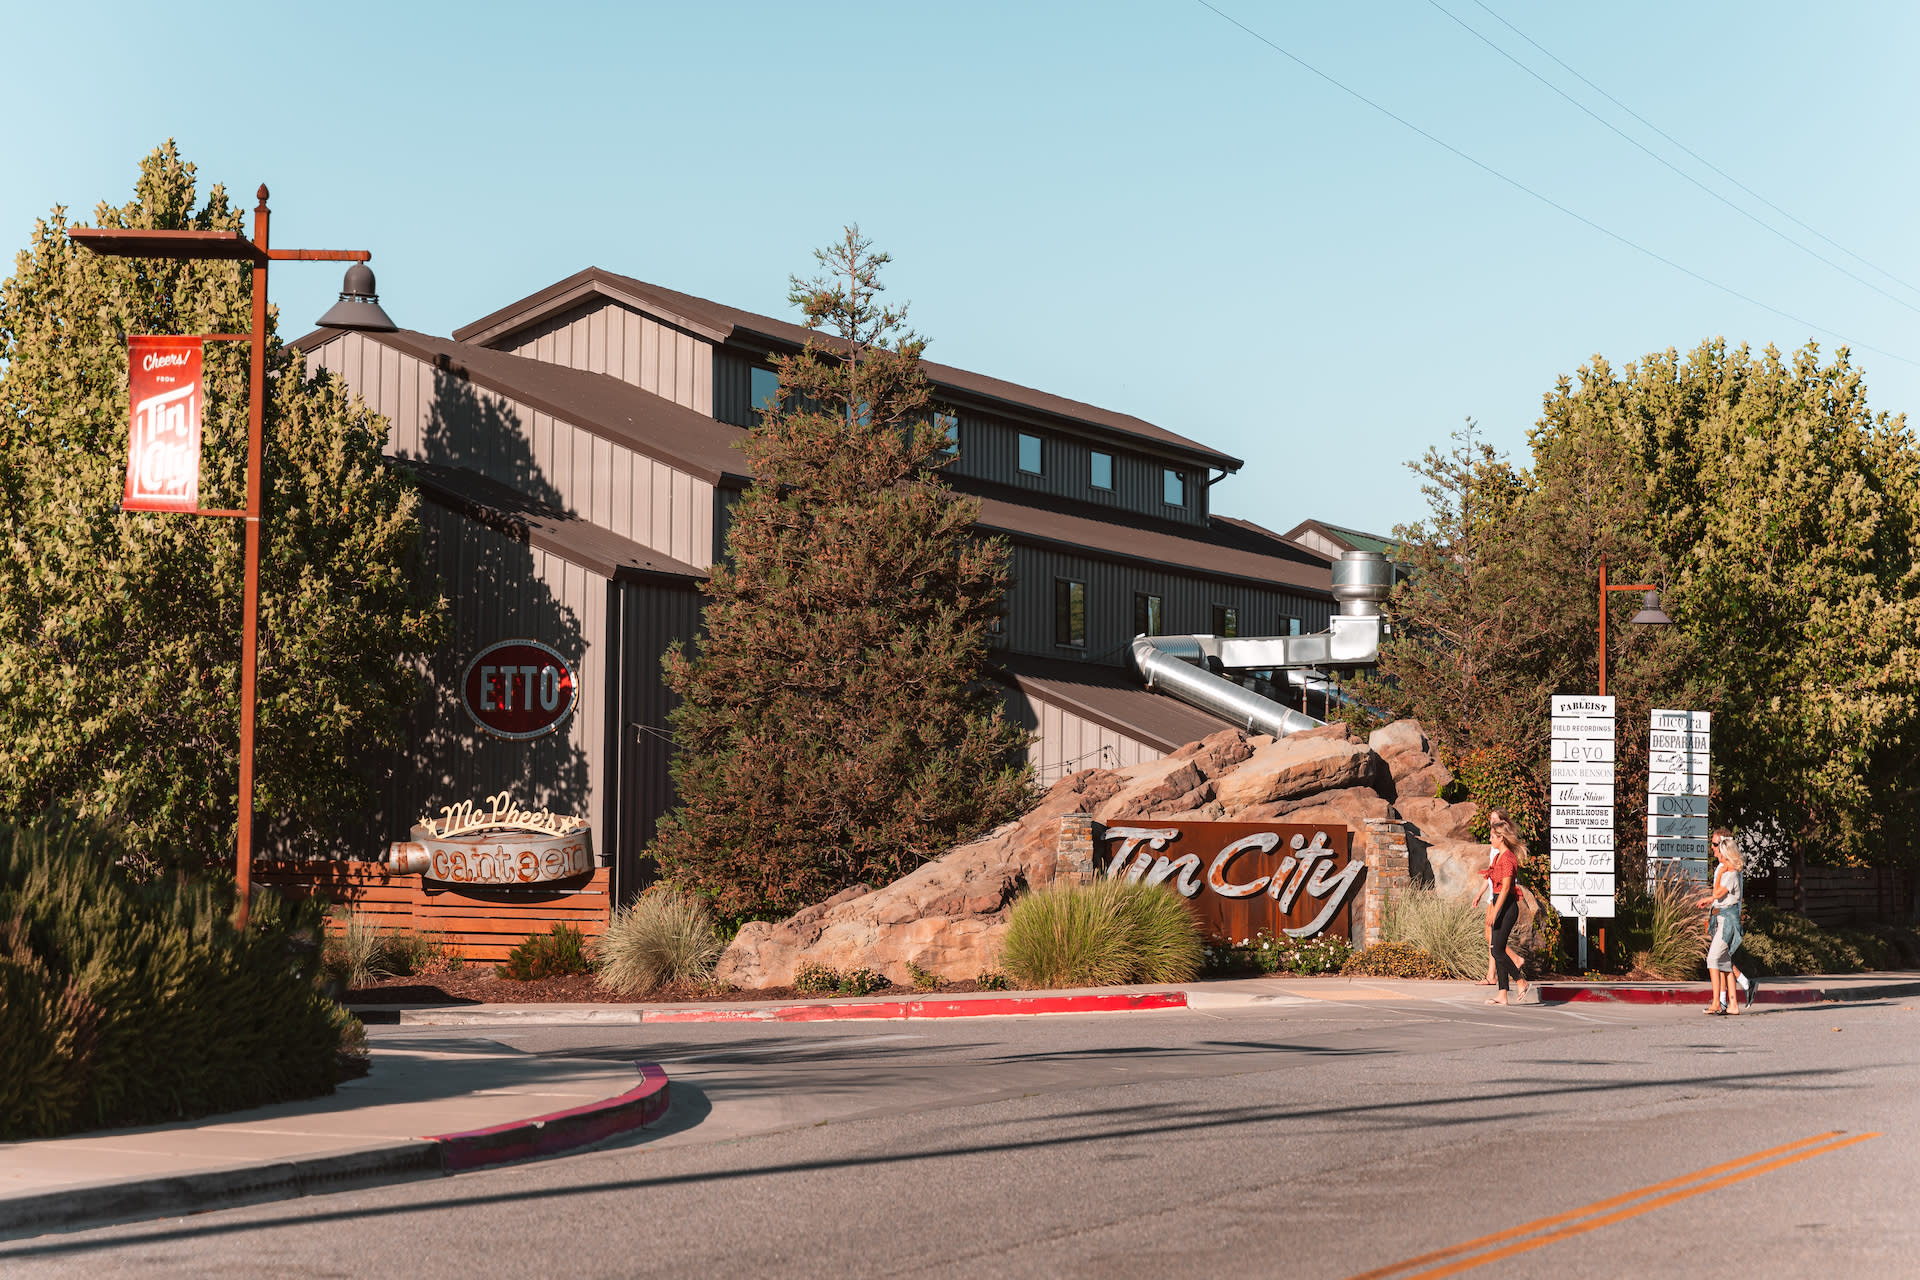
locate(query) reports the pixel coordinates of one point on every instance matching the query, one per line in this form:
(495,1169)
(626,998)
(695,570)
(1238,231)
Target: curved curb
(557,1131)
(135,1199)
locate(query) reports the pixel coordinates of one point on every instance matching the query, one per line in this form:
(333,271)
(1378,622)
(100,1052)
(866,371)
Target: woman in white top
(1724,904)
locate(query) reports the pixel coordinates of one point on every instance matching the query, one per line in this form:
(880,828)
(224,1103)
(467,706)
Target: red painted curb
(895,1010)
(560,1130)
(1666,995)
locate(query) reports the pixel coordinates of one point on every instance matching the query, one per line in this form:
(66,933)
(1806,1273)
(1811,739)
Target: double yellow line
(1601,1213)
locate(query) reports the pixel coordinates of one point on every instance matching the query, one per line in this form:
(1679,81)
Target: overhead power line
(1524,189)
(1815,231)
(1745,213)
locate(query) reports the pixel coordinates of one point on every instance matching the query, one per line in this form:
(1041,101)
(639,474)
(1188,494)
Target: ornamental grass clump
(1107,933)
(1677,951)
(663,937)
(1451,930)
(129,1004)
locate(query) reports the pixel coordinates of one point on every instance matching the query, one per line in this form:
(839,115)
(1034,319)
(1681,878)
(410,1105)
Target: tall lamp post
(358,308)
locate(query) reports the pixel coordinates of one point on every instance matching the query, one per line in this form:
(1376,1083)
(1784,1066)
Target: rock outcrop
(947,916)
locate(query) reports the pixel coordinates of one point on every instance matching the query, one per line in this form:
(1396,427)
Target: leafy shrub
(1500,777)
(662,937)
(561,952)
(1780,942)
(409,952)
(1323,953)
(127,1004)
(993,981)
(1451,930)
(923,979)
(1677,943)
(814,979)
(1106,933)
(1394,960)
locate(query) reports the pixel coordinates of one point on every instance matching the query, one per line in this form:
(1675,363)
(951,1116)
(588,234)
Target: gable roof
(1344,538)
(719,323)
(597,403)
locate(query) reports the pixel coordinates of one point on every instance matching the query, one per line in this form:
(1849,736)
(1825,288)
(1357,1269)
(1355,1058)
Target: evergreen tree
(835,725)
(120,631)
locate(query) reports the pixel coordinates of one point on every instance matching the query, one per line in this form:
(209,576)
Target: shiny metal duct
(1188,667)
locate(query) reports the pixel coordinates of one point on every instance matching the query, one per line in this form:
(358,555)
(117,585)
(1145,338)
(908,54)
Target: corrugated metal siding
(732,388)
(500,589)
(990,450)
(652,618)
(1187,609)
(1065,743)
(440,418)
(603,336)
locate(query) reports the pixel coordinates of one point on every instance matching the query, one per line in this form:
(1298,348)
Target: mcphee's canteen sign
(163,439)
(1244,878)
(518,689)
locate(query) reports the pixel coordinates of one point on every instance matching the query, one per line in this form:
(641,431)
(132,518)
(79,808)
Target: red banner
(163,448)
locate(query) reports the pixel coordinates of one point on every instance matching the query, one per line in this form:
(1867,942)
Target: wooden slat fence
(1841,895)
(478,923)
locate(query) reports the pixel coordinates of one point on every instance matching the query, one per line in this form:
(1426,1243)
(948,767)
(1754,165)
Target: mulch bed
(477,984)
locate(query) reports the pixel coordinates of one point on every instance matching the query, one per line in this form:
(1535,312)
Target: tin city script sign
(163,439)
(1245,878)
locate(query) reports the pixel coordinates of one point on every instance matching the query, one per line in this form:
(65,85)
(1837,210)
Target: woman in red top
(1496,817)
(1504,911)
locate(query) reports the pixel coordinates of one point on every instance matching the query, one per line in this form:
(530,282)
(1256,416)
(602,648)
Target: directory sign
(1580,831)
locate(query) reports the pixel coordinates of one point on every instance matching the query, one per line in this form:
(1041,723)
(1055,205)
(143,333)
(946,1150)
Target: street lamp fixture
(1650,615)
(359,305)
(133,242)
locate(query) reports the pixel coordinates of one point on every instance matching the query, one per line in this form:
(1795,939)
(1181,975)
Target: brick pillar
(1073,853)
(1383,846)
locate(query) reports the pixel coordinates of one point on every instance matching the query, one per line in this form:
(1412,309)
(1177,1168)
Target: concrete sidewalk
(423,1110)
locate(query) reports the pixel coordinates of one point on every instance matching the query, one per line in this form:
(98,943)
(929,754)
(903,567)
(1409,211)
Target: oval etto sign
(518,689)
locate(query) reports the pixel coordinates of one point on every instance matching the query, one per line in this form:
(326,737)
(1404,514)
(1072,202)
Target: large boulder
(1403,747)
(1297,766)
(947,917)
(1434,819)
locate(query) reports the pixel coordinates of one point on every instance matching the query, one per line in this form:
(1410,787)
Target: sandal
(1717,1010)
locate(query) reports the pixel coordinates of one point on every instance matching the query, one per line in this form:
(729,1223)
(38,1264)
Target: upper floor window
(1173,488)
(1290,626)
(1226,621)
(946,425)
(764,390)
(1100,472)
(1070,613)
(1030,454)
(1149,615)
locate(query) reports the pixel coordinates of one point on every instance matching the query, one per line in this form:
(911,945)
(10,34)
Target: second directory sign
(1580,830)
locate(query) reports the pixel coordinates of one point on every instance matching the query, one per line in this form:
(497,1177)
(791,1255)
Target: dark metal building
(575,452)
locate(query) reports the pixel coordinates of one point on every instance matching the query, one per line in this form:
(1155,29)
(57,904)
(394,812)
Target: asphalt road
(1307,1139)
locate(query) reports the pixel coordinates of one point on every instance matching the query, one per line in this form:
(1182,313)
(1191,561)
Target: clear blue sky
(1134,204)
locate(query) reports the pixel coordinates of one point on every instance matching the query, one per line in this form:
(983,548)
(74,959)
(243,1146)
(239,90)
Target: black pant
(1502,927)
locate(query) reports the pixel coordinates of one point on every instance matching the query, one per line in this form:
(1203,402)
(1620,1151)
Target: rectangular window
(1101,472)
(1148,619)
(1030,454)
(1173,488)
(1226,621)
(1290,626)
(1070,613)
(764,389)
(947,425)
